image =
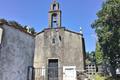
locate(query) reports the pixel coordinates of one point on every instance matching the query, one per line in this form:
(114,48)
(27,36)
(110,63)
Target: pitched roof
(60,28)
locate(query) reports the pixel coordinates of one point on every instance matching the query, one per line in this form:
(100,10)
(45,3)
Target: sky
(75,14)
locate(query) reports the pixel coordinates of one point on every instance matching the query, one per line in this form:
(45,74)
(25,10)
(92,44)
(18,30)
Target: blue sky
(75,14)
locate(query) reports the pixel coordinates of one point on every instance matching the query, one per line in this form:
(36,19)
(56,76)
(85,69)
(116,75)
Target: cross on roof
(54,0)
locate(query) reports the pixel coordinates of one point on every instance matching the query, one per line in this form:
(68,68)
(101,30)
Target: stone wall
(39,51)
(45,48)
(58,43)
(68,48)
(16,54)
(73,50)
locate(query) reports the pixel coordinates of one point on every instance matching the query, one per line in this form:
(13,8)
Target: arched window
(54,20)
(60,38)
(54,7)
(53,40)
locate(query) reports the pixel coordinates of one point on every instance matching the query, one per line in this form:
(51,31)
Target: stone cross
(54,0)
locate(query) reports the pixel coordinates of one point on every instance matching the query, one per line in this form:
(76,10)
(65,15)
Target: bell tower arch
(54,15)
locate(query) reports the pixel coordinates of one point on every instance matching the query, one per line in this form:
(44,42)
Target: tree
(32,30)
(99,77)
(107,27)
(90,57)
(3,21)
(15,24)
(98,54)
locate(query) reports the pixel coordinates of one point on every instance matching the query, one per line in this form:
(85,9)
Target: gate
(55,73)
(53,69)
(50,73)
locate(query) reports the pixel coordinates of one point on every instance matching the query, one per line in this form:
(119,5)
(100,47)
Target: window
(54,7)
(53,40)
(60,38)
(54,20)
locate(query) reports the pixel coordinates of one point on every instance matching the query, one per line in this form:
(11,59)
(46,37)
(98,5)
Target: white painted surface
(117,71)
(1,32)
(43,71)
(69,73)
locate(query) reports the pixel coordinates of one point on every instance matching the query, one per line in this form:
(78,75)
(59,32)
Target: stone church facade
(55,53)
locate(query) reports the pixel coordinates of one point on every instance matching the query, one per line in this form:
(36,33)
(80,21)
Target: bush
(99,77)
(111,78)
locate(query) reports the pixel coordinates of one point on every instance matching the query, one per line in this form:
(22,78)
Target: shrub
(99,77)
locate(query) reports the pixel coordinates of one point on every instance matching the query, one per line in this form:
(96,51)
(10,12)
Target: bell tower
(54,15)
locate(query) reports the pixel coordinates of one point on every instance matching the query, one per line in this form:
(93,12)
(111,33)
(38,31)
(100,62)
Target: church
(55,53)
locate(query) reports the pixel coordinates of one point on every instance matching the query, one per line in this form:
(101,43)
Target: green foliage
(107,27)
(3,21)
(25,27)
(98,54)
(15,24)
(111,78)
(99,77)
(90,57)
(32,30)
